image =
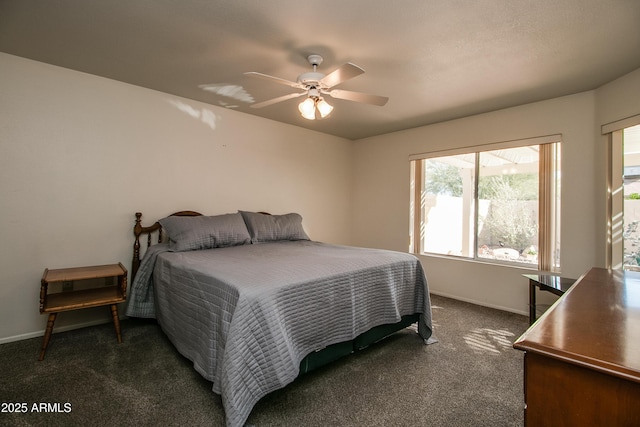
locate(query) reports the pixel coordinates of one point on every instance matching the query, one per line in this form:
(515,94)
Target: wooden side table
(546,282)
(83,298)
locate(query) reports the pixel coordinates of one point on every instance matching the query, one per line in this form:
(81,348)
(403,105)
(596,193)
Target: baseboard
(482,303)
(56,330)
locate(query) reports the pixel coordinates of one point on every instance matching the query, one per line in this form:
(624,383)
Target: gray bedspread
(247,315)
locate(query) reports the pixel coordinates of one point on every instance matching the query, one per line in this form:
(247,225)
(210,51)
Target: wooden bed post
(137,230)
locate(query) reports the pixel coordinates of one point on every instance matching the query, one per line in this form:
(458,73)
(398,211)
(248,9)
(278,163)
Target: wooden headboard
(139,230)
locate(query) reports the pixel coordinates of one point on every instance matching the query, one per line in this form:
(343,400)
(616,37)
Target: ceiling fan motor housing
(311,78)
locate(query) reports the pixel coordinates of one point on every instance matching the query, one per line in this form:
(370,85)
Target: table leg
(532,302)
(47,334)
(116,321)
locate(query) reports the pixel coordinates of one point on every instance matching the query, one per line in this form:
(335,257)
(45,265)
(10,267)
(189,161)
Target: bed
(253,302)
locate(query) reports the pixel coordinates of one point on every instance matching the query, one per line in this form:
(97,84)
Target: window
(631,194)
(624,184)
(498,204)
(623,137)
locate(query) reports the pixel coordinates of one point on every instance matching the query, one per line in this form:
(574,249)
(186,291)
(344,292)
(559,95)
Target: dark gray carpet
(471,377)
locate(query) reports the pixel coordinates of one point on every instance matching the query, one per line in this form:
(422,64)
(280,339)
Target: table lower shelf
(85,298)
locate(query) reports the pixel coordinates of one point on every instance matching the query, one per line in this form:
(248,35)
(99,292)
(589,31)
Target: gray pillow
(188,233)
(268,228)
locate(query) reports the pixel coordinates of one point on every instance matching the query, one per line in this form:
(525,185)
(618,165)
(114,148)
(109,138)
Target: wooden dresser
(582,357)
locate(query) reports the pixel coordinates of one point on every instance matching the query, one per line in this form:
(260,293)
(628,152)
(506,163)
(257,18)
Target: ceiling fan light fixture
(308,109)
(323,108)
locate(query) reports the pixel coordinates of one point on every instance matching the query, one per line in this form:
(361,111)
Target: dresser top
(596,324)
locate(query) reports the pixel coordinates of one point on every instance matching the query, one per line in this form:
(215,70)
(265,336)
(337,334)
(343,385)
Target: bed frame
(313,360)
(139,230)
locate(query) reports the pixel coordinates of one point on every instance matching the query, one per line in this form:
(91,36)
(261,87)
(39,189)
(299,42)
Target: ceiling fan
(314,84)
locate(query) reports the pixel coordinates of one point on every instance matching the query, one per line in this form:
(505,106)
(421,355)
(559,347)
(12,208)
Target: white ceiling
(435,59)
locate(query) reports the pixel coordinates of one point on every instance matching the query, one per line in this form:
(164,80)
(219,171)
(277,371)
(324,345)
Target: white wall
(80,154)
(381,185)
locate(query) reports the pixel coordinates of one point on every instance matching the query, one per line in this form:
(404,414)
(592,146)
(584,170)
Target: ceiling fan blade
(276,100)
(274,79)
(341,74)
(358,97)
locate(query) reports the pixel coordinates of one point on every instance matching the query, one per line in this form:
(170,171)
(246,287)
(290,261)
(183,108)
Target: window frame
(551,203)
(614,133)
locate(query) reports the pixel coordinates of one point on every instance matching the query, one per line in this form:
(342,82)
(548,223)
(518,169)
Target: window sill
(498,263)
